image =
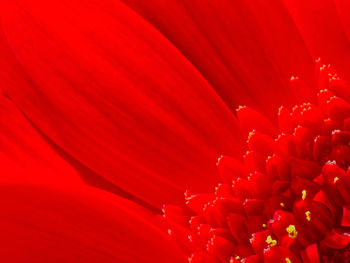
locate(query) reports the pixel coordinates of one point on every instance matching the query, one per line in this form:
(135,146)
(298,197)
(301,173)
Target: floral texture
(111,108)
(290,199)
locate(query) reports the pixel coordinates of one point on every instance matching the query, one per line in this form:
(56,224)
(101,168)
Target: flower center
(289,200)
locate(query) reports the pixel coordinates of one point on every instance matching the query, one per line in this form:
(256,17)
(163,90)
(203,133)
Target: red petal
(286,144)
(322,148)
(236,224)
(319,25)
(263,53)
(277,167)
(310,254)
(314,216)
(258,241)
(304,169)
(335,240)
(230,169)
(116,95)
(281,221)
(340,88)
(250,119)
(197,202)
(25,155)
(261,143)
(285,121)
(58,224)
(242,189)
(260,184)
(253,207)
(221,247)
(343,8)
(304,140)
(338,109)
(279,255)
(252,259)
(345,219)
(331,172)
(255,161)
(223,190)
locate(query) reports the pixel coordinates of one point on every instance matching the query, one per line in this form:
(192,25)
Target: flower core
(289,200)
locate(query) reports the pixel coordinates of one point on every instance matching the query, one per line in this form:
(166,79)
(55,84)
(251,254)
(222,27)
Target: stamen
(271,242)
(308,215)
(303,194)
(292,232)
(264,192)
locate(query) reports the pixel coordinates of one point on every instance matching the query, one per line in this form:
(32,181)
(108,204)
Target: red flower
(289,200)
(133,98)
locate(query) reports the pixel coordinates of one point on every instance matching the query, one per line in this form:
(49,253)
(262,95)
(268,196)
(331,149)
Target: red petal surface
(310,254)
(55,224)
(24,155)
(322,31)
(336,240)
(245,49)
(343,8)
(116,95)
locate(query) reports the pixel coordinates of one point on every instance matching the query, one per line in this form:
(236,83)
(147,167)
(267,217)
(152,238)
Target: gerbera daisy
(138,98)
(289,200)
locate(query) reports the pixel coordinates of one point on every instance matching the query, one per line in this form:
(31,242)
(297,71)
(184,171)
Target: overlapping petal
(343,8)
(62,224)
(322,30)
(113,93)
(247,50)
(25,156)
(128,97)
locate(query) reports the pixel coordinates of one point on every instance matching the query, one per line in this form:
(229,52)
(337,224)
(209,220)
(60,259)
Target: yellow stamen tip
(271,242)
(303,194)
(292,232)
(308,215)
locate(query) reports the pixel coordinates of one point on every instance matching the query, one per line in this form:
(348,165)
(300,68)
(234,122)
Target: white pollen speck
(335,131)
(331,162)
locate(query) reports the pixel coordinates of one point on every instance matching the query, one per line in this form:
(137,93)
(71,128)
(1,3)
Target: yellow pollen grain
(308,215)
(303,194)
(292,232)
(288,260)
(271,242)
(263,225)
(336,179)
(282,204)
(237,257)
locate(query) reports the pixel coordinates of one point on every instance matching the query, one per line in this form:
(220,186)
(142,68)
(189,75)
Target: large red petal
(110,90)
(343,8)
(320,27)
(24,155)
(55,224)
(247,50)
